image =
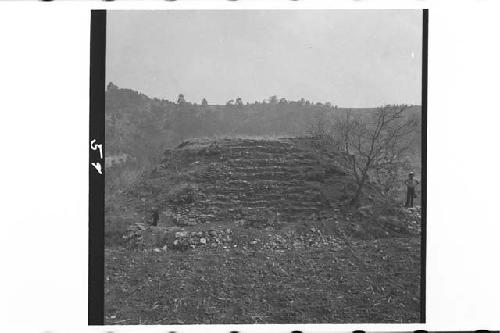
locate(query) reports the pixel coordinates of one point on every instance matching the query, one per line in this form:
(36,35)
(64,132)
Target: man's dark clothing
(410,194)
(155,216)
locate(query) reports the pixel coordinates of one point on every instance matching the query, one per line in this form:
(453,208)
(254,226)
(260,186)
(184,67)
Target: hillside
(140,128)
(248,225)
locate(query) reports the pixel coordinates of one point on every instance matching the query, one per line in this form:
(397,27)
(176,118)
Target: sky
(351,58)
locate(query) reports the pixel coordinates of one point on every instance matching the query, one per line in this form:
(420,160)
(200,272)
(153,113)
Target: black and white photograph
(264,166)
(249,166)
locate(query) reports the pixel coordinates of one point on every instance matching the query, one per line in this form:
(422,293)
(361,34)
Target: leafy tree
(204,102)
(181,100)
(112,86)
(273,99)
(239,102)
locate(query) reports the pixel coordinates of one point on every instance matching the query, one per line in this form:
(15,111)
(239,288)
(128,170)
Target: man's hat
(411,173)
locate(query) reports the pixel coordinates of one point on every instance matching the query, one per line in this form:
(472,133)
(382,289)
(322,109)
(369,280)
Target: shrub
(183,193)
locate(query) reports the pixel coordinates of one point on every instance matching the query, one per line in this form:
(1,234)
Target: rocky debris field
(144,237)
(330,231)
(181,240)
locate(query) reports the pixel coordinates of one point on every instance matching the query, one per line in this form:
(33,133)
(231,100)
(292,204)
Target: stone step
(282,150)
(295,196)
(286,210)
(261,177)
(276,176)
(248,143)
(261,174)
(269,162)
(252,202)
(269,197)
(253,214)
(257,183)
(266,153)
(239,190)
(270,168)
(257,203)
(310,196)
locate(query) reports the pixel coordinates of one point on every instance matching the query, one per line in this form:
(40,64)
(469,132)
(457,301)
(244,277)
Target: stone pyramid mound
(228,180)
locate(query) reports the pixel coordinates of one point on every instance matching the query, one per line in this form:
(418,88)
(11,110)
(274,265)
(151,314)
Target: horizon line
(334,106)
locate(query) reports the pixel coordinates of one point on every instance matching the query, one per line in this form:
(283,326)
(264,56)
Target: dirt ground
(338,279)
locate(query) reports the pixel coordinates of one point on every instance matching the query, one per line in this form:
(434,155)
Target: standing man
(410,183)
(155,216)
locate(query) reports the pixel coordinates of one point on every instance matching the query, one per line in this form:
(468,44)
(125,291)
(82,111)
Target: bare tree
(373,146)
(320,129)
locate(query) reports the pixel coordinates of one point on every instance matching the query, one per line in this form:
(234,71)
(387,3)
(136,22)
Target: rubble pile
(146,237)
(135,232)
(312,238)
(142,236)
(414,219)
(213,238)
